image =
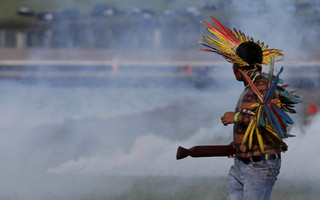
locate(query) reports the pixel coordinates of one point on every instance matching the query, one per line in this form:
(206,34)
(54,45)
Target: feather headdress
(224,42)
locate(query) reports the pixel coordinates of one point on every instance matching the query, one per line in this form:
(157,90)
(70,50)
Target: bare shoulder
(261,82)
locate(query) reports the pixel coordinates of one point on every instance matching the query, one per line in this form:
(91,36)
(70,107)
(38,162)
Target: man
(254,173)
(260,118)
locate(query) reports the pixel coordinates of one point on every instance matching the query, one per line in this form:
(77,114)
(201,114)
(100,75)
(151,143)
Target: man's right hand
(228,118)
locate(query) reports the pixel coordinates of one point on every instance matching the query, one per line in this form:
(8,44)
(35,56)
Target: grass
(165,188)
(203,188)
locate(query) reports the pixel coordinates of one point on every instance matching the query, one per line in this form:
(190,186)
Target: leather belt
(271,156)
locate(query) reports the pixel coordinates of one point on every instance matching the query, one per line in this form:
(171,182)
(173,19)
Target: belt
(271,156)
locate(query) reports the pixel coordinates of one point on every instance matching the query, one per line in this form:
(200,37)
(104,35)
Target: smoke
(61,143)
(150,155)
(299,162)
(70,142)
(279,24)
(154,155)
(144,148)
(274,23)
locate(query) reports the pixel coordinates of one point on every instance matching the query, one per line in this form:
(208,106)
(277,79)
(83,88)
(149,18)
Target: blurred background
(96,96)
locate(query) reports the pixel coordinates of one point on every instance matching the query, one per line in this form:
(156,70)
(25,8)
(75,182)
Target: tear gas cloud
(64,142)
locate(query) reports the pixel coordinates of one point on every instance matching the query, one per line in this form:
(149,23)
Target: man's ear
(236,72)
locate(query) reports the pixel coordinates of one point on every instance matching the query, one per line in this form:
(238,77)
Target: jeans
(253,181)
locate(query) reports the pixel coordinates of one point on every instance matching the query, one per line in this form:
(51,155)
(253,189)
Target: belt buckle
(273,156)
(254,159)
(263,157)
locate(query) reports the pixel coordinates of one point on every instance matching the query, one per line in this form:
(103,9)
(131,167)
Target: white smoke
(49,133)
(301,160)
(152,155)
(276,24)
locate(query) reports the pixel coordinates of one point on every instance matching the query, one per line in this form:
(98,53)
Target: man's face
(236,72)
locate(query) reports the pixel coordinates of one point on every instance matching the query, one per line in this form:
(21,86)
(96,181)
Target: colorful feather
(273,76)
(283,114)
(270,75)
(253,87)
(224,42)
(260,141)
(272,87)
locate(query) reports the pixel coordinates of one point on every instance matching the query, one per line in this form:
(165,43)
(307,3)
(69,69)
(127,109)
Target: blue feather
(277,123)
(284,122)
(261,120)
(283,114)
(265,74)
(289,135)
(274,126)
(273,86)
(288,95)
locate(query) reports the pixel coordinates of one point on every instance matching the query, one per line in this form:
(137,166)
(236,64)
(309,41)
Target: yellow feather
(215,43)
(265,48)
(270,130)
(268,54)
(250,138)
(259,113)
(255,105)
(242,37)
(276,138)
(208,37)
(260,141)
(218,36)
(245,137)
(235,33)
(270,139)
(223,46)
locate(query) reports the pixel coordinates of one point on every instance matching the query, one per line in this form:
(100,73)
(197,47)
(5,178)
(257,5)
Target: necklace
(253,79)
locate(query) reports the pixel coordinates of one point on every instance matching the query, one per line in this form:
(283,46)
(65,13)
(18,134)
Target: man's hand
(232,155)
(228,118)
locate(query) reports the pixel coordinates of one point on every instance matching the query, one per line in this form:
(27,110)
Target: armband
(236,117)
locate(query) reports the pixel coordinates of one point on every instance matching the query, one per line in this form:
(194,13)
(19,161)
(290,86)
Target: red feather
(285,86)
(226,31)
(255,90)
(222,33)
(279,119)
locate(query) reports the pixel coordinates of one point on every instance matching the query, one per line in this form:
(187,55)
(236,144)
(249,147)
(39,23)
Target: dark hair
(250,52)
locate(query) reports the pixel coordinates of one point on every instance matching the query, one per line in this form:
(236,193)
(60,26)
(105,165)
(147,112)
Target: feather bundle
(271,118)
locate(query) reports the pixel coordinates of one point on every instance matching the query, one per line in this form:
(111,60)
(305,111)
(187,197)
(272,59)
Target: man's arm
(229,118)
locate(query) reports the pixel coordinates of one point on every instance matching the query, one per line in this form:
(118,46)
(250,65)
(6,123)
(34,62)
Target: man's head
(251,53)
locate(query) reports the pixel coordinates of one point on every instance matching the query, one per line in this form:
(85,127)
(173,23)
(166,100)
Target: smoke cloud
(70,142)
